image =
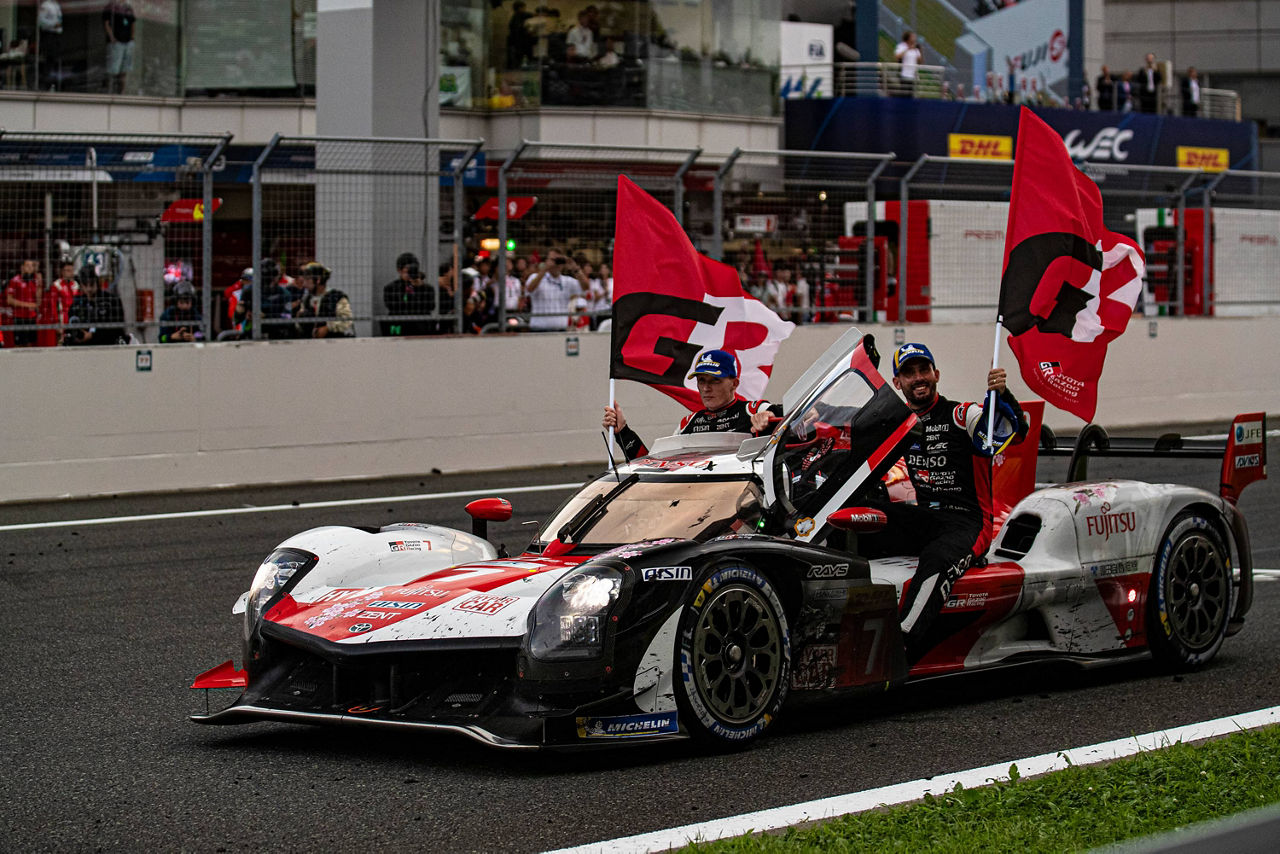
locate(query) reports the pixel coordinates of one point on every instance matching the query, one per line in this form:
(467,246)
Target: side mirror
(485,510)
(859,520)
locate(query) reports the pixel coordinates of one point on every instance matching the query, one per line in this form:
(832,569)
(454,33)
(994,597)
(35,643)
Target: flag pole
(612,386)
(991,394)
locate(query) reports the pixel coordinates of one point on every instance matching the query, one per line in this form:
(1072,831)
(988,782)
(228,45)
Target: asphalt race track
(106,625)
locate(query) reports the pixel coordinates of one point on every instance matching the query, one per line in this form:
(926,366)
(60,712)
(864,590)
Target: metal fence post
(256,309)
(1181,233)
(1209,254)
(903,232)
(459,167)
(502,228)
(206,239)
(870,295)
(678,202)
(717,205)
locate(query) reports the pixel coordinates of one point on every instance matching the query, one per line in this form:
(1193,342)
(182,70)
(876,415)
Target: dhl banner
(1206,159)
(979,146)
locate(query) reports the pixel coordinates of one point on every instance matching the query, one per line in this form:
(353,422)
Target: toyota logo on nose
(361,627)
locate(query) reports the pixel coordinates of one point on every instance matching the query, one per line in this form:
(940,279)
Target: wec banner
(1069,285)
(670,303)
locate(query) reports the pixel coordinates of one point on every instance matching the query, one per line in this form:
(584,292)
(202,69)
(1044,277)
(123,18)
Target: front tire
(1189,602)
(733,656)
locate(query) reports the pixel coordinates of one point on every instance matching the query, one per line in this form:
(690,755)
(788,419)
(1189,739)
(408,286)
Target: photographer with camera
(551,288)
(407,294)
(181,322)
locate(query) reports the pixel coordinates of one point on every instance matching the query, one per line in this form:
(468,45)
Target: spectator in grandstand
(1106,86)
(481,305)
(1191,93)
(550,289)
(1125,94)
(49,19)
(448,281)
(608,57)
(230,297)
(519,41)
(907,54)
(1149,82)
(55,306)
(324,312)
(100,308)
(407,294)
(581,38)
(118,20)
(976,97)
(1085,101)
(22,296)
(181,322)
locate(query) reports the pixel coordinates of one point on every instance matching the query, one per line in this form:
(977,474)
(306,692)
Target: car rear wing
(1243,452)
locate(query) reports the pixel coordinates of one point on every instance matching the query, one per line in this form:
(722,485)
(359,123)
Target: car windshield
(608,513)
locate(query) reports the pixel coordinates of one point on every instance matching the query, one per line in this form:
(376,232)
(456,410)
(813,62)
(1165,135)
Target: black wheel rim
(1197,591)
(737,646)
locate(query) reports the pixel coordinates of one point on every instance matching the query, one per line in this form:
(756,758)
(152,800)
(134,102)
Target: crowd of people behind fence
(548,291)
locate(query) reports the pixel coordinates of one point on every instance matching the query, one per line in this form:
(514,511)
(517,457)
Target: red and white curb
(901,793)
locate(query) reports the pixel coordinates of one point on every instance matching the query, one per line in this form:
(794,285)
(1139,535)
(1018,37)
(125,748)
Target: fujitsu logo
(1105,145)
(1105,524)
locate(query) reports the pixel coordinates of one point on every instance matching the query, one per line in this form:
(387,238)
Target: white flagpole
(991,395)
(612,385)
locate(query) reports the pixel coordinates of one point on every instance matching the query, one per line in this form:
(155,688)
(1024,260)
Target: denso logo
(1105,145)
(1105,524)
(830,570)
(983,234)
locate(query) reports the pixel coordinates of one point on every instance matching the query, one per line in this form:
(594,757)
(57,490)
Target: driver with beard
(949,526)
(717,375)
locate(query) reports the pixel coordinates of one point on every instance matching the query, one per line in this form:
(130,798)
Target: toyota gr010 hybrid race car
(692,592)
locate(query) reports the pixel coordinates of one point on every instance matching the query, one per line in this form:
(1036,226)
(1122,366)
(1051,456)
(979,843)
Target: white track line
(901,793)
(272,508)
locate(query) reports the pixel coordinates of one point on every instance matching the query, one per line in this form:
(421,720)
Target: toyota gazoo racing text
(694,591)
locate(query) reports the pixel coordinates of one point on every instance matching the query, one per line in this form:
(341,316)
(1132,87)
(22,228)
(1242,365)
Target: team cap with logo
(907,352)
(715,363)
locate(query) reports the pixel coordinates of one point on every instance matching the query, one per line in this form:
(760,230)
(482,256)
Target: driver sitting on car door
(949,526)
(717,375)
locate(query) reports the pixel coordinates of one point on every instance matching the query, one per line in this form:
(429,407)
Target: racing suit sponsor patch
(628,726)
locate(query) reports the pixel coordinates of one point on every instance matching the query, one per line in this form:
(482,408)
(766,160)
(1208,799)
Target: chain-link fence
(554,228)
(355,236)
(97,233)
(800,227)
(403,237)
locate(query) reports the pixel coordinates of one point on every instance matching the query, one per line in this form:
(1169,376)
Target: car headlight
(282,570)
(571,618)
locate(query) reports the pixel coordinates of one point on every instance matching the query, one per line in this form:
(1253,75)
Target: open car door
(842,428)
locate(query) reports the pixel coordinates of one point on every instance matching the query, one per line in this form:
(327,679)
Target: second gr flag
(1069,285)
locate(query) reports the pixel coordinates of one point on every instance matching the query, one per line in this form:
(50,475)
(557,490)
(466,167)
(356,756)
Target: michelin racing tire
(1189,601)
(733,657)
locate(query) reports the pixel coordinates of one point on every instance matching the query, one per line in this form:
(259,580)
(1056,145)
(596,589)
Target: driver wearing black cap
(949,526)
(724,412)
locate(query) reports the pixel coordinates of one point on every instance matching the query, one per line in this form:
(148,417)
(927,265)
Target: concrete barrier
(85,421)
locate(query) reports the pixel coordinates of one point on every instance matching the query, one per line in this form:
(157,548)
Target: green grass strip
(937,25)
(1080,808)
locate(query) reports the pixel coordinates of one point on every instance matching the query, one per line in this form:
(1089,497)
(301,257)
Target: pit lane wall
(86,421)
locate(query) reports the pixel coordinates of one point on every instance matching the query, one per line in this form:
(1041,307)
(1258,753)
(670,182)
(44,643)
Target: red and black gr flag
(670,303)
(1069,285)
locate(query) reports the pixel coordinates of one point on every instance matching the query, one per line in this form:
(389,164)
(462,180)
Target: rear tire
(1189,601)
(733,657)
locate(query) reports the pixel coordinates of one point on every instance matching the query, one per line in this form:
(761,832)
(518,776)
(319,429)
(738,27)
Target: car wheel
(1189,602)
(733,656)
